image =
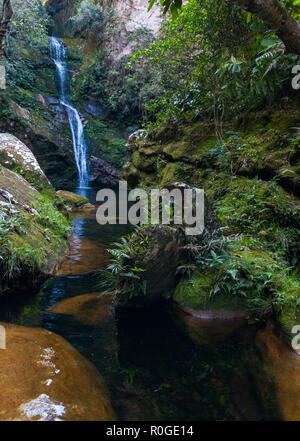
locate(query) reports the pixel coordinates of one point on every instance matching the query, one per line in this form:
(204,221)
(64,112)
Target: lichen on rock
(18,157)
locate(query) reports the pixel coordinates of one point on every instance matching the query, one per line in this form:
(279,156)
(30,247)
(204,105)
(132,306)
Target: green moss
(32,237)
(238,283)
(168,174)
(287,301)
(196,293)
(261,209)
(73,199)
(143,162)
(107,141)
(132,175)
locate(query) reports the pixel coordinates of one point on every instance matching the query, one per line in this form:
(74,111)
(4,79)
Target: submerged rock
(84,255)
(88,309)
(209,327)
(43,378)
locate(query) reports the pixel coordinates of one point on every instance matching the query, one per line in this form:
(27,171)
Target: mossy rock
(33,234)
(143,162)
(287,306)
(195,293)
(168,174)
(131,174)
(149,149)
(72,199)
(42,130)
(198,291)
(268,145)
(262,209)
(18,157)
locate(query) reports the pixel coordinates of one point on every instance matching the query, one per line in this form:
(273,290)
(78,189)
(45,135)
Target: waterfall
(58,54)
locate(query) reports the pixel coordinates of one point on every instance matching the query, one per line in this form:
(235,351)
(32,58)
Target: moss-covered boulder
(131,174)
(286,302)
(18,157)
(74,200)
(230,285)
(267,145)
(195,293)
(33,233)
(144,162)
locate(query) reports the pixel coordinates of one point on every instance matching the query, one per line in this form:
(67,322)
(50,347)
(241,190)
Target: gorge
(110,321)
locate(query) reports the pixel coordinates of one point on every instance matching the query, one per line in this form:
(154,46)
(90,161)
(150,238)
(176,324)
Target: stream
(153,369)
(151,366)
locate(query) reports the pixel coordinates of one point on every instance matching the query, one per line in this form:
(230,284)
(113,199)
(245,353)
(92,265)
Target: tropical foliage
(212,60)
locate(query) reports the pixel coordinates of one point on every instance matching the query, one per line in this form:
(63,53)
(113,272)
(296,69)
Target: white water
(58,55)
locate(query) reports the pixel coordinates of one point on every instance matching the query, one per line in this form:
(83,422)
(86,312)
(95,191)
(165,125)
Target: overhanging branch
(276,18)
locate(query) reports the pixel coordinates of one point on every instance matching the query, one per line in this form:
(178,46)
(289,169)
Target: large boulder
(159,257)
(18,157)
(33,233)
(162,260)
(43,378)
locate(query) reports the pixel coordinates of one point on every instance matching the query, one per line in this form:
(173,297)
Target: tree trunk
(5,18)
(275,16)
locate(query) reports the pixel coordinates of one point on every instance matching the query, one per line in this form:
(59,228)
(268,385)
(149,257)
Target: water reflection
(153,370)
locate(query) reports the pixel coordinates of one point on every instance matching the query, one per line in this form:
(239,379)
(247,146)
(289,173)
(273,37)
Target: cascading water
(58,55)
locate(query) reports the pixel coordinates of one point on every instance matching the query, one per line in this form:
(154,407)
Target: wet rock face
(17,156)
(160,263)
(94,109)
(280,394)
(43,378)
(104,175)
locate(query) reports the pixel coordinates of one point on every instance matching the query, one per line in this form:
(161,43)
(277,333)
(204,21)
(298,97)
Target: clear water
(58,53)
(153,369)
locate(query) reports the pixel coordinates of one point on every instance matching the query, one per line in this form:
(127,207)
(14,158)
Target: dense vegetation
(209,64)
(213,91)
